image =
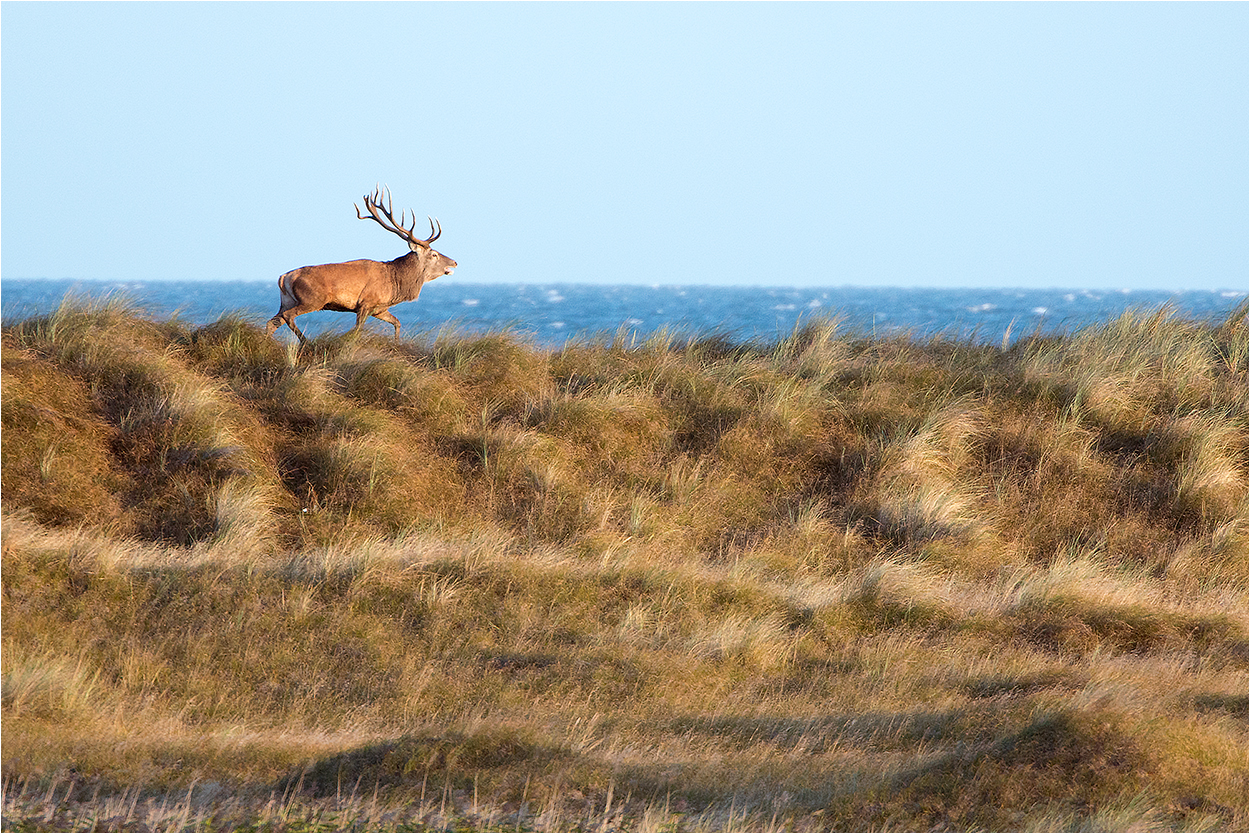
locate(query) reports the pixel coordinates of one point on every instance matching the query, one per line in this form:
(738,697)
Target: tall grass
(830,582)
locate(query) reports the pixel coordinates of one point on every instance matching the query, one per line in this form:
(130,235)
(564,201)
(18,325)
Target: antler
(384,216)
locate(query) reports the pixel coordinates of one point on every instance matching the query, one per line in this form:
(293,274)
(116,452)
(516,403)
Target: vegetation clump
(458,581)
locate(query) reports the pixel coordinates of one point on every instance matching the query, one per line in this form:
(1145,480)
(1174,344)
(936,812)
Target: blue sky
(1091,145)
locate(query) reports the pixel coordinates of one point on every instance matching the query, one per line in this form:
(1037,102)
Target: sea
(551,315)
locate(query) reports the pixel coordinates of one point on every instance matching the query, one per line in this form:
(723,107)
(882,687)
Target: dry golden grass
(458,582)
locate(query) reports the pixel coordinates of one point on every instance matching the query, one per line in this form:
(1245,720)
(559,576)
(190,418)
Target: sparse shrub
(431,399)
(1212,477)
(497,369)
(55,453)
(927,487)
(234,348)
(621,434)
(1059,760)
(48,687)
(437,761)
(889,592)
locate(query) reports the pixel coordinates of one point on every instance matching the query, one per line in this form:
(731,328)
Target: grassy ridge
(828,582)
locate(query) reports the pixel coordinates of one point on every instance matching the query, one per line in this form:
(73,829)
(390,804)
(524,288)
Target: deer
(364,287)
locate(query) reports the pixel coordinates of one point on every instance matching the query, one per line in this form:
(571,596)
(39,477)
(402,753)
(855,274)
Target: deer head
(380,211)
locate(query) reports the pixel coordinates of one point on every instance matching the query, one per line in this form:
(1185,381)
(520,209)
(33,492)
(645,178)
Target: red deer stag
(366,288)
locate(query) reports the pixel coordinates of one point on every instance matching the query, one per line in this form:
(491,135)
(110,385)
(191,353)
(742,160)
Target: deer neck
(407,276)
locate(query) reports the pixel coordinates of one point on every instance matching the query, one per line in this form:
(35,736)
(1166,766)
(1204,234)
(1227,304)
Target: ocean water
(552,314)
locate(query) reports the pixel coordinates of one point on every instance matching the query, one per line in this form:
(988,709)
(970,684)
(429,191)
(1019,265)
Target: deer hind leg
(288,308)
(387,317)
(287,317)
(277,321)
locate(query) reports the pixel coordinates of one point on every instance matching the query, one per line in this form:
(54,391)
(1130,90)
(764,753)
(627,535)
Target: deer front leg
(290,322)
(387,317)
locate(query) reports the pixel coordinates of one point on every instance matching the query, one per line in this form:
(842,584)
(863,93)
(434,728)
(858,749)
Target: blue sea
(551,314)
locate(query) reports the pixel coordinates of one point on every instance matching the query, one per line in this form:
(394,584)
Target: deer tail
(284,288)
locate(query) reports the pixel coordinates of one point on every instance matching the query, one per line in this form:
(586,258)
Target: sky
(1082,145)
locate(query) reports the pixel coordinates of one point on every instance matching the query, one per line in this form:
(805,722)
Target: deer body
(364,287)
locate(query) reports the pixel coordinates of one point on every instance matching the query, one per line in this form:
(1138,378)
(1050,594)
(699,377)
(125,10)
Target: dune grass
(830,582)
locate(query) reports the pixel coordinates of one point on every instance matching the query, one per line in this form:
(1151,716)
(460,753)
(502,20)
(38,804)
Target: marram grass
(459,582)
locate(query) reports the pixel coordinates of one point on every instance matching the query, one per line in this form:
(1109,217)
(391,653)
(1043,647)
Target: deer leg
(281,319)
(387,317)
(287,316)
(291,324)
